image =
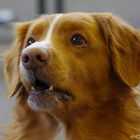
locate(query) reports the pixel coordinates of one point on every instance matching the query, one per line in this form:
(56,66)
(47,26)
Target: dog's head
(63,61)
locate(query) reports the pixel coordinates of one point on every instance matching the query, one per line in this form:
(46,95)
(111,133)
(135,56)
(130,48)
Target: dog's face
(65,61)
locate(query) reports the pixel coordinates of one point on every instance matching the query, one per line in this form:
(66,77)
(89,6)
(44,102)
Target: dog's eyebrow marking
(49,33)
(46,43)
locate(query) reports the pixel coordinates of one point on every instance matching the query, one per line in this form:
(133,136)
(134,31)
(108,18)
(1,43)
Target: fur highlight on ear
(124,44)
(12,57)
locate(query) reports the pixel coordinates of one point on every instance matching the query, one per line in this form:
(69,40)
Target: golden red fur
(99,74)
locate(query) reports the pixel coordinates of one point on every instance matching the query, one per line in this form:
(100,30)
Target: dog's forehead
(71,18)
(51,23)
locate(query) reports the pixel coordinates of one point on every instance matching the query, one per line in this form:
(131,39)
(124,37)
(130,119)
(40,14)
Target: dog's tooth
(32,88)
(51,87)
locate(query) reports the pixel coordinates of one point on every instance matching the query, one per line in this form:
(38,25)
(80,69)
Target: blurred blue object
(6,16)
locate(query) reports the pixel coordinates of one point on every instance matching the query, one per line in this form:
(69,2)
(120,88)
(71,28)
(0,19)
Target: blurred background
(23,10)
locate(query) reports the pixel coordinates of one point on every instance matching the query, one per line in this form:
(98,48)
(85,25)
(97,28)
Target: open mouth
(42,87)
(44,96)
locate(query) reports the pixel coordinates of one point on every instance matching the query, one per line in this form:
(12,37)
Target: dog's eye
(30,41)
(78,39)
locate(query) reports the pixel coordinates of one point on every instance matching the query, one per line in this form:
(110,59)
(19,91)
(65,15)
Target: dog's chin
(45,97)
(42,101)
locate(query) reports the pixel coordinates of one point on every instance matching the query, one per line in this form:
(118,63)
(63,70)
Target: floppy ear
(11,59)
(124,44)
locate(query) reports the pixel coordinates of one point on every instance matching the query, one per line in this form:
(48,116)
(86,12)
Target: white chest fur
(60,135)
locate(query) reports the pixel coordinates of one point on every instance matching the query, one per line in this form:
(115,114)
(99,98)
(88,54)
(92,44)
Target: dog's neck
(93,124)
(103,121)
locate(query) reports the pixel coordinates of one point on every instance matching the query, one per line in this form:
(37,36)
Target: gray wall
(128,9)
(23,9)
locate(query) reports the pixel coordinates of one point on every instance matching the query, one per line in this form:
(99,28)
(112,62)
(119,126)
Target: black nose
(34,57)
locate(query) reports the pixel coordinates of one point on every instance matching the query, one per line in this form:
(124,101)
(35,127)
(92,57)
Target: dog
(72,75)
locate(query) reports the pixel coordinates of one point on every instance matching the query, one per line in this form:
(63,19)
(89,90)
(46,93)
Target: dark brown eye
(78,39)
(30,41)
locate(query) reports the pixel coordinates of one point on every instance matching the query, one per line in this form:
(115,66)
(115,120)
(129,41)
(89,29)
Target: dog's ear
(11,59)
(124,44)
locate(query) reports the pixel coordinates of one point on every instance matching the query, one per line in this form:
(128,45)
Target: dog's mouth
(46,88)
(44,96)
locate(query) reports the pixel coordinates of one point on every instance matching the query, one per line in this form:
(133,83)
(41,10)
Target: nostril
(41,58)
(25,58)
